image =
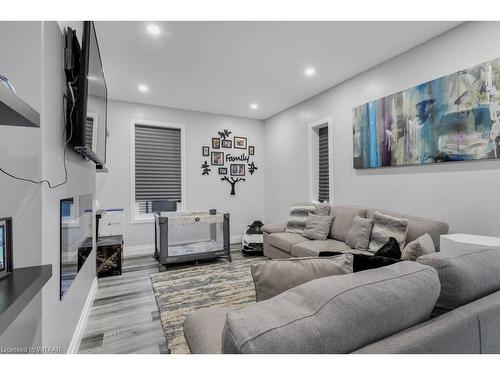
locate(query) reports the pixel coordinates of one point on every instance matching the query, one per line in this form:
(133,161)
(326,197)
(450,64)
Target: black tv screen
(87,106)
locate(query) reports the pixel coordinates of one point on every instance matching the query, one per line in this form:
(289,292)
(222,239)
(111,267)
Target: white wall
(60,318)
(202,192)
(463,194)
(20,155)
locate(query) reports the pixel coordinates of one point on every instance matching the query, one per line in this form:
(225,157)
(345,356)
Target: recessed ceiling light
(254,106)
(310,72)
(143,88)
(154,29)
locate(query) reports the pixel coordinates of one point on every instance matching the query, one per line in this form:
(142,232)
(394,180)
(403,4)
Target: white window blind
(157,165)
(323,167)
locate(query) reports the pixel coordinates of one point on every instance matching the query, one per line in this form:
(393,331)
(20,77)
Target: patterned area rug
(190,287)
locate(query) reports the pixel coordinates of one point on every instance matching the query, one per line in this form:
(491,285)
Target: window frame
(73,220)
(135,216)
(313,137)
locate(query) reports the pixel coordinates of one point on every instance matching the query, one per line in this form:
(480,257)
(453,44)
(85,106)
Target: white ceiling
(222,67)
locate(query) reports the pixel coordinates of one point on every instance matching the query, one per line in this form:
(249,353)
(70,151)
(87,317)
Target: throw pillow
(423,245)
(390,250)
(298,217)
(385,227)
(358,236)
(362,262)
(278,275)
(317,227)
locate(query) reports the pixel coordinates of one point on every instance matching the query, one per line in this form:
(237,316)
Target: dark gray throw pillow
(317,227)
(390,250)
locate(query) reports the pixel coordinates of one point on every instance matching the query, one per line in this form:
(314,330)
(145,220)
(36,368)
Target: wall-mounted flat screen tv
(86,125)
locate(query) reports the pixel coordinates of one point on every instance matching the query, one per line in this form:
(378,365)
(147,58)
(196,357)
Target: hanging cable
(64,150)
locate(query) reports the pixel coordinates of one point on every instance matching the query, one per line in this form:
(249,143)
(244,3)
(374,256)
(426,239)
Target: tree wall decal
(233,182)
(252,168)
(224,134)
(206,169)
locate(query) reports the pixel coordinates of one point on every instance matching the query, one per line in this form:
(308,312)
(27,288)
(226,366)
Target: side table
(458,241)
(108,257)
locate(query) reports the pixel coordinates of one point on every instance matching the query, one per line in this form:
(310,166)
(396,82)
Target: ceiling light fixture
(154,29)
(254,106)
(310,72)
(143,88)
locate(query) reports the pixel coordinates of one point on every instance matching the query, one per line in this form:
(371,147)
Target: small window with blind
(323,166)
(157,181)
(319,162)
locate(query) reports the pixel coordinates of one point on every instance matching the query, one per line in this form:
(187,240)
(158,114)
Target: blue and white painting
(453,118)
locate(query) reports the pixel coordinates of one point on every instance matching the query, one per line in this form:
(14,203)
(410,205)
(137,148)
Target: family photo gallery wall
(231,156)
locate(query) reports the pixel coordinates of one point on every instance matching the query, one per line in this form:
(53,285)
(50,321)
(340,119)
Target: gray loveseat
(442,303)
(280,244)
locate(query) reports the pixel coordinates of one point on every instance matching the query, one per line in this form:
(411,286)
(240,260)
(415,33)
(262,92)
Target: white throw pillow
(423,245)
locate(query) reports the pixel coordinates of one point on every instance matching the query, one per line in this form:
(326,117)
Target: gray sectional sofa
(280,244)
(442,303)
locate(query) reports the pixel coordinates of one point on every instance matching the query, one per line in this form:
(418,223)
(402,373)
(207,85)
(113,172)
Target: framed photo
(237,169)
(240,142)
(5,247)
(206,151)
(227,143)
(217,158)
(216,143)
(251,150)
(222,170)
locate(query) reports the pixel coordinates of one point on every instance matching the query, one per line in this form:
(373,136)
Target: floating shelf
(18,289)
(99,168)
(14,111)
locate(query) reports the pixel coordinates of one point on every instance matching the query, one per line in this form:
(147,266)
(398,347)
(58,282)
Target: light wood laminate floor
(124,316)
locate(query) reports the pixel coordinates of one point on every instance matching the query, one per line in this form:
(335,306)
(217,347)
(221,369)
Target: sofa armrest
(274,228)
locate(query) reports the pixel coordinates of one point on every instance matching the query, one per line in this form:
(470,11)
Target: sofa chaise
(442,303)
(281,244)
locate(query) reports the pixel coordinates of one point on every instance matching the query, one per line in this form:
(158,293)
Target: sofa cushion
(343,219)
(423,245)
(317,227)
(284,241)
(418,226)
(276,276)
(385,227)
(203,330)
(470,329)
(466,275)
(313,248)
(335,314)
(298,217)
(360,233)
(274,228)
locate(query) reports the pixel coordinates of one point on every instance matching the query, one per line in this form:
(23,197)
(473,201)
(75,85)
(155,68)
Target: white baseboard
(82,322)
(134,251)
(140,250)
(236,239)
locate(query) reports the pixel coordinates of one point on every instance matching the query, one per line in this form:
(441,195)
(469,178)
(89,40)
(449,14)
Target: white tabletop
(472,239)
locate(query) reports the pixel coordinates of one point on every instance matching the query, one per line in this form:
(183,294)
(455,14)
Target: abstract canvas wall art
(453,118)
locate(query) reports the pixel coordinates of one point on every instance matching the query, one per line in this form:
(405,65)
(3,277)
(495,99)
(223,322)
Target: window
(69,212)
(157,172)
(319,161)
(323,168)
